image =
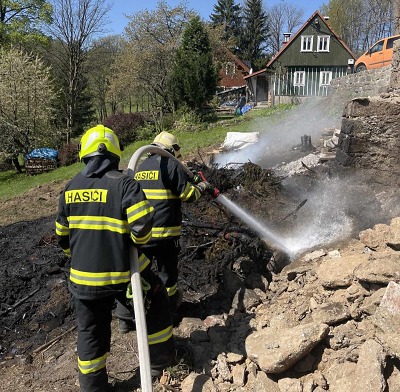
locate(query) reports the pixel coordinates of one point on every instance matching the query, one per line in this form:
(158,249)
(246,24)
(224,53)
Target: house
(232,73)
(304,66)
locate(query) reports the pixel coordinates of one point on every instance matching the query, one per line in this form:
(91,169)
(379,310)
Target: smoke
(336,207)
(280,135)
(324,219)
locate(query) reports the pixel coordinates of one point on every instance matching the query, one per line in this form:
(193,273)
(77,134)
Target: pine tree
(255,31)
(194,78)
(227,13)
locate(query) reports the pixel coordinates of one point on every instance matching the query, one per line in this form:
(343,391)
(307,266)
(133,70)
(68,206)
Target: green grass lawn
(14,184)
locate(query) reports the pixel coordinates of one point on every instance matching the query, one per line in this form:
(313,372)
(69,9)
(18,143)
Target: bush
(68,154)
(125,126)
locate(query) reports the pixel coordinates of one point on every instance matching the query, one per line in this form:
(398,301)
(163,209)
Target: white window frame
(299,78)
(230,68)
(325,78)
(323,43)
(307,43)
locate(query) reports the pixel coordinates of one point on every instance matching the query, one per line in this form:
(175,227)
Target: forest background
(60,72)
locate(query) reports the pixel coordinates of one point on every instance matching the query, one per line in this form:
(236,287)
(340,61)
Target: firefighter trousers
(94,333)
(166,254)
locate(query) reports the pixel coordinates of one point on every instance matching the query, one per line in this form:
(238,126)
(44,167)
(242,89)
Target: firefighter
(166,185)
(102,212)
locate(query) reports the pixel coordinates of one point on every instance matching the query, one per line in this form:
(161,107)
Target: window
(299,78)
(390,41)
(230,68)
(323,43)
(378,47)
(325,78)
(306,43)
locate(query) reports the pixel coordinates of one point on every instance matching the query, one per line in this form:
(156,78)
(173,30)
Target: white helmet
(168,142)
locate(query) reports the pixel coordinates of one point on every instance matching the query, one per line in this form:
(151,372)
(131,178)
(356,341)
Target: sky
(121,8)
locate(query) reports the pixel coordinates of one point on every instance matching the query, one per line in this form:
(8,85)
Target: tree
(360,22)
(284,18)
(101,59)
(74,25)
(194,78)
(20,20)
(26,95)
(255,31)
(142,69)
(227,14)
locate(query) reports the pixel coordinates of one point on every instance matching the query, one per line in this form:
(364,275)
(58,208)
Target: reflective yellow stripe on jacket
(160,337)
(86,367)
(143,262)
(139,210)
(62,230)
(159,194)
(99,278)
(162,232)
(98,223)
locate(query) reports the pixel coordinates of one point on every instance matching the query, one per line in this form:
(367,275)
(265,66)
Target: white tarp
(238,140)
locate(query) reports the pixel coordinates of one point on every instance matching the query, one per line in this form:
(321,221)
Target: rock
(382,269)
(263,383)
(256,281)
(189,325)
(238,375)
(232,283)
(376,237)
(369,371)
(198,383)
(245,300)
(275,351)
(331,313)
(393,381)
(338,376)
(371,303)
(339,272)
(223,368)
(290,385)
(316,254)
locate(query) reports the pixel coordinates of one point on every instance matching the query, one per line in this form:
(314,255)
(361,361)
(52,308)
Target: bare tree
(284,18)
(143,67)
(75,24)
(360,22)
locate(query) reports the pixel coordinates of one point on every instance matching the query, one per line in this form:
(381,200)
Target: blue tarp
(47,153)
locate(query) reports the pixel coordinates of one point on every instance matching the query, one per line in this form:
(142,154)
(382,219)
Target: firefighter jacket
(166,186)
(97,220)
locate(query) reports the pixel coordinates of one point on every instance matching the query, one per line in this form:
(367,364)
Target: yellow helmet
(99,141)
(169,142)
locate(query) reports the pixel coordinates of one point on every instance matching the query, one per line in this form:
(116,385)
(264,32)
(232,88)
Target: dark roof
(294,36)
(316,13)
(243,64)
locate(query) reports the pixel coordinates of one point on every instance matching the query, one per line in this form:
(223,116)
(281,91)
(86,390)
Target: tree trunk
(15,161)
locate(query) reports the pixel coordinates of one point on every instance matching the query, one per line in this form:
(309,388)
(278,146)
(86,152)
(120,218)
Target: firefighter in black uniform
(103,212)
(166,185)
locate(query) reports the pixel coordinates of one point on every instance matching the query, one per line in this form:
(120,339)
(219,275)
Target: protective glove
(204,187)
(196,177)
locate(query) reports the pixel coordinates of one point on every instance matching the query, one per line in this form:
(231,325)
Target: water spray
(271,238)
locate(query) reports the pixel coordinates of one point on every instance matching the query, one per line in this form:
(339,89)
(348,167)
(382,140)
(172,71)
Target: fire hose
(138,304)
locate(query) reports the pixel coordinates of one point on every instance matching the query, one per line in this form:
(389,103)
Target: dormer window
(323,43)
(306,43)
(230,68)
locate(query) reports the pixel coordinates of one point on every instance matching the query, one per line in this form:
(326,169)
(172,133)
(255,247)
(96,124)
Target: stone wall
(370,131)
(369,137)
(361,84)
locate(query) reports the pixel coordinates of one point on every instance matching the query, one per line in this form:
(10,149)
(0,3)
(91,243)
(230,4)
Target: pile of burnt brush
(214,239)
